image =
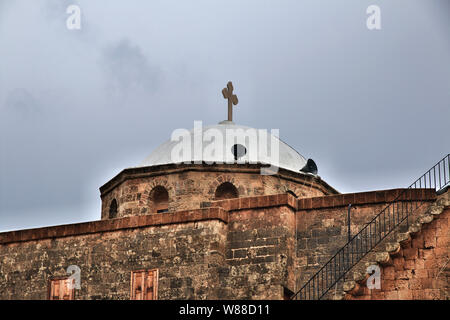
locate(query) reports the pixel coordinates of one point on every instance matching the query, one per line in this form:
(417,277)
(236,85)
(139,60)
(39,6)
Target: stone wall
(236,249)
(420,269)
(260,248)
(187,256)
(243,248)
(322,224)
(188,186)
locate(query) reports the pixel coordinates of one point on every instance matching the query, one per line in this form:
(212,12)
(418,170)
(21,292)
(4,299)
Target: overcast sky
(371,107)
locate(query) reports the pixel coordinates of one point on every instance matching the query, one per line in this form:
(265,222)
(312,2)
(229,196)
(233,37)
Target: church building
(239,225)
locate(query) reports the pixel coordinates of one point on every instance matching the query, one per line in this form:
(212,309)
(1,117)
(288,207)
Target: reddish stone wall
(243,248)
(421,270)
(322,224)
(242,252)
(187,247)
(260,253)
(188,187)
(187,256)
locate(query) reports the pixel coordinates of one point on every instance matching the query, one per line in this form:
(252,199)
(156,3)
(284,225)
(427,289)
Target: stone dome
(240,151)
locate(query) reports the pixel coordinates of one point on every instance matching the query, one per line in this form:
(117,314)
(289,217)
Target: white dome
(288,158)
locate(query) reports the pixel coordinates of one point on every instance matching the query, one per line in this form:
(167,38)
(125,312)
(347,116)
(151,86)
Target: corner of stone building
(260,254)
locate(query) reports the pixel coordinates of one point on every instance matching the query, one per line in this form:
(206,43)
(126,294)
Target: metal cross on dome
(232,99)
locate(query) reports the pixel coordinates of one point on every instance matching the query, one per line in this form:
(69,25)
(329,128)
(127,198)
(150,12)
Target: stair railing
(393,215)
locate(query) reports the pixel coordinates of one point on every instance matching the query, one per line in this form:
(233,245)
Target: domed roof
(240,151)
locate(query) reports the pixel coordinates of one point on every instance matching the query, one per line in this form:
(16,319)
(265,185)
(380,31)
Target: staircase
(385,253)
(396,216)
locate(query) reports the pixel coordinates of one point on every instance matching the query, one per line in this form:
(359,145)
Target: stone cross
(232,99)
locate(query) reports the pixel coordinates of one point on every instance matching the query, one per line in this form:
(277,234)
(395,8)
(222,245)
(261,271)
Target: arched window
(113,209)
(159,199)
(226,191)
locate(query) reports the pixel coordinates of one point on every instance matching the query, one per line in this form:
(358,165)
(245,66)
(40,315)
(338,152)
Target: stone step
(383,257)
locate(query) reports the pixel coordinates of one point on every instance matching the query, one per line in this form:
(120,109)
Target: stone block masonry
(189,249)
(243,248)
(419,269)
(188,186)
(187,256)
(322,226)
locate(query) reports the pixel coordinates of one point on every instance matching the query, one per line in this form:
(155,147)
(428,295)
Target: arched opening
(159,199)
(113,209)
(226,191)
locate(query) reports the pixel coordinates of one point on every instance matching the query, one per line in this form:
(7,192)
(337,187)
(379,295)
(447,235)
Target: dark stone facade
(244,248)
(196,253)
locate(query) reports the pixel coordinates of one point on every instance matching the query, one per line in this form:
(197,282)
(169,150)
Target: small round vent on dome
(238,151)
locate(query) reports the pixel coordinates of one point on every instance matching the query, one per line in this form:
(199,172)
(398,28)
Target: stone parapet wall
(187,256)
(192,251)
(242,248)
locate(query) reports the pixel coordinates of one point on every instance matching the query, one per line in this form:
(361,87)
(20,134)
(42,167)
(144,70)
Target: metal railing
(393,215)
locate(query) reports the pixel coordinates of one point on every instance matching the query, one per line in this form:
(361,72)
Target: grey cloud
(127,69)
(21,102)
(57,9)
(76,107)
